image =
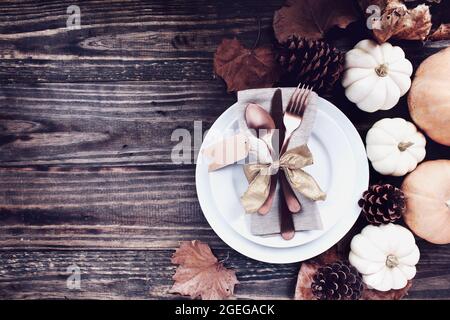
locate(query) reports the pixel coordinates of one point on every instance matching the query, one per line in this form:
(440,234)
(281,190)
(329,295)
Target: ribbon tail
(257,193)
(304,183)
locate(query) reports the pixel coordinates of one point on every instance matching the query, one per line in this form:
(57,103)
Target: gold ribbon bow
(291,162)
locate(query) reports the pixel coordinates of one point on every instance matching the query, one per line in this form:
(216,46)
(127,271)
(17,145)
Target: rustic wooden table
(86,118)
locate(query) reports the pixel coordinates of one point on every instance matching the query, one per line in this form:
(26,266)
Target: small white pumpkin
(376,76)
(385,255)
(394,146)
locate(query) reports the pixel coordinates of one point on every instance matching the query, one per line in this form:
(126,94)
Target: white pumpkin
(376,76)
(394,146)
(385,255)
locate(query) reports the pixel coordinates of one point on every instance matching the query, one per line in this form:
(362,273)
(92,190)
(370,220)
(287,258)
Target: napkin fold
(309,217)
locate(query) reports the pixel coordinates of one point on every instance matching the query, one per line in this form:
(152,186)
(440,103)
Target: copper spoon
(258,118)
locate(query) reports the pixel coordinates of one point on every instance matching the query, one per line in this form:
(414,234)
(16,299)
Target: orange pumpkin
(427,191)
(429,97)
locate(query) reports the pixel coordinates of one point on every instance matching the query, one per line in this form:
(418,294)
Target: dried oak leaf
(399,22)
(308,269)
(242,68)
(370,294)
(200,273)
(312,18)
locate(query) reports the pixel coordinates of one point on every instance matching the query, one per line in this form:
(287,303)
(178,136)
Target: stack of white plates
(340,167)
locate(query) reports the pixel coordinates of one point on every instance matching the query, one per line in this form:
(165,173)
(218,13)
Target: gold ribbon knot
(291,162)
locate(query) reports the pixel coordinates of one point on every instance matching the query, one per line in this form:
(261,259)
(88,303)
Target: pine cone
(382,204)
(337,281)
(310,62)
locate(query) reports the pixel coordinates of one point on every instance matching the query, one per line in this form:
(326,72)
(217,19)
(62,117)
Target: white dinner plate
(340,167)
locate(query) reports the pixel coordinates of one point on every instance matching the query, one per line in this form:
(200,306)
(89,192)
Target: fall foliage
(243,68)
(200,273)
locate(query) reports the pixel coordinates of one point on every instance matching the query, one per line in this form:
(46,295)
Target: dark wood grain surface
(86,118)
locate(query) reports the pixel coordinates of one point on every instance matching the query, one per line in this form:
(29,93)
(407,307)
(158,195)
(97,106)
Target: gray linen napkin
(309,217)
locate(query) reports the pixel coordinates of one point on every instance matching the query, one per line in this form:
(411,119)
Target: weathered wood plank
(135,40)
(117,124)
(102,237)
(126,274)
(115,196)
(147,275)
(21,19)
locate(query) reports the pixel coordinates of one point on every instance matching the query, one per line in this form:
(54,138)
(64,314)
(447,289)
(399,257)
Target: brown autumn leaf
(200,273)
(399,22)
(242,68)
(312,18)
(304,280)
(370,294)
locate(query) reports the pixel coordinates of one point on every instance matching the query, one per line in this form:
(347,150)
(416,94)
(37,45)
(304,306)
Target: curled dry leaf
(414,24)
(309,268)
(242,68)
(399,22)
(200,273)
(312,18)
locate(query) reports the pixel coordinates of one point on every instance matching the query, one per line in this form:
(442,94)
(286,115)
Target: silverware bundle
(259,119)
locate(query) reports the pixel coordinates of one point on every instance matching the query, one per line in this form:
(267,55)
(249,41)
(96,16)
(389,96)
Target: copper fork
(294,113)
(292,119)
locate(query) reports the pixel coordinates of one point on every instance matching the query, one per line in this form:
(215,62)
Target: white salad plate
(340,167)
